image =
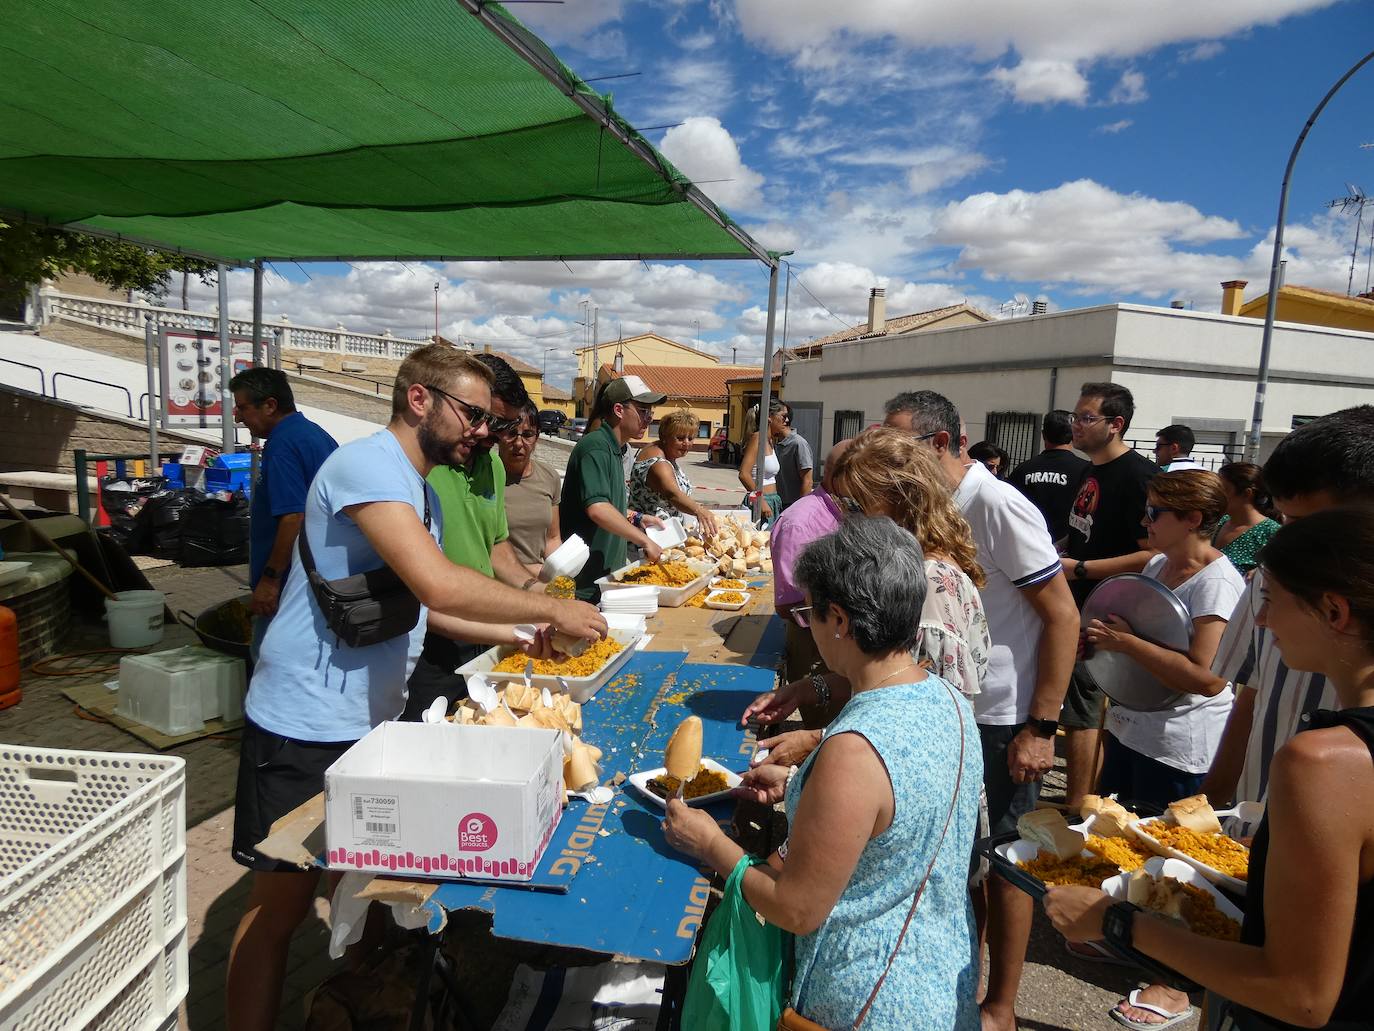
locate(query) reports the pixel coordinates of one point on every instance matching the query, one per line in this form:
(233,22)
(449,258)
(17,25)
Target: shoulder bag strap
(949,816)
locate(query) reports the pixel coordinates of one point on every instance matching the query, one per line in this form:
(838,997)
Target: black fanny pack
(365,608)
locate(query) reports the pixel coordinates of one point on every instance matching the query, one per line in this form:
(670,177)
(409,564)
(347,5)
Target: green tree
(29,254)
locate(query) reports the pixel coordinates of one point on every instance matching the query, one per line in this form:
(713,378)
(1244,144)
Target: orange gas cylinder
(9,658)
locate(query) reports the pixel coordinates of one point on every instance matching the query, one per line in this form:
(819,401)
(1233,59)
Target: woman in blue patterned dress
(886,807)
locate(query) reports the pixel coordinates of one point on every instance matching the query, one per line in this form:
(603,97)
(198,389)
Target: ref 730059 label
(376,819)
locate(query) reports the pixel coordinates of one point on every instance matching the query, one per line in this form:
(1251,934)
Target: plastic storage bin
(92,889)
(178,690)
(231,472)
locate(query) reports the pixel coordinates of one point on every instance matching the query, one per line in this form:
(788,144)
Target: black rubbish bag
(125,501)
(164,514)
(215,532)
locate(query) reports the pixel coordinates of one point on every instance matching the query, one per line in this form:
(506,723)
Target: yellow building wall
(1312,312)
(643,350)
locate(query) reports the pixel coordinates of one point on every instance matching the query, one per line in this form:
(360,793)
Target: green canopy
(330,129)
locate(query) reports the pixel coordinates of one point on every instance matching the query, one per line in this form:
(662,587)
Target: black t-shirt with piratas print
(1105,520)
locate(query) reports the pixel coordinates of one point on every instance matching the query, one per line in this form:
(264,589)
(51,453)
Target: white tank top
(770,469)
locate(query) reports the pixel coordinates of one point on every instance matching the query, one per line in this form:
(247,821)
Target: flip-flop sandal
(1092,952)
(1170,1019)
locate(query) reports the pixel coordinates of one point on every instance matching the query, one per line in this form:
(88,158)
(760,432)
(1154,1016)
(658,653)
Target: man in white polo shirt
(1033,623)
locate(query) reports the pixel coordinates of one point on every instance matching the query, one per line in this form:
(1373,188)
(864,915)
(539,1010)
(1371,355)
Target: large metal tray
(579,688)
(1155,614)
(668,597)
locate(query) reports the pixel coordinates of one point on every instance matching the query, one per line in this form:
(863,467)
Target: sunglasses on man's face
(475,416)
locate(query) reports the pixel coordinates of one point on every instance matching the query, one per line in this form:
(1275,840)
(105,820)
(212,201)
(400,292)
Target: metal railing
(42,381)
(129,319)
(128,397)
(305,370)
(1207,456)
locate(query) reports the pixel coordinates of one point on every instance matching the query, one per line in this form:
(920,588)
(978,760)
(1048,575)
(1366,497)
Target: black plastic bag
(125,507)
(215,532)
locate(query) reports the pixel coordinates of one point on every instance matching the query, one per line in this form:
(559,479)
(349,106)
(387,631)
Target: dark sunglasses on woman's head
(849,505)
(476,416)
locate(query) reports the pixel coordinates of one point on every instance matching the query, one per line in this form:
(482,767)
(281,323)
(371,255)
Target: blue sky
(975,150)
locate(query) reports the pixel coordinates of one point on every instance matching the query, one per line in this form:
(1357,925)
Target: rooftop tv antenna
(1355,198)
(1018,305)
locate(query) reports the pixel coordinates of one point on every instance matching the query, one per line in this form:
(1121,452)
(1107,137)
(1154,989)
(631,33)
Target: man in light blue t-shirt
(312,696)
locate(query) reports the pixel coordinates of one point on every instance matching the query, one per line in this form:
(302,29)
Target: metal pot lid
(1155,614)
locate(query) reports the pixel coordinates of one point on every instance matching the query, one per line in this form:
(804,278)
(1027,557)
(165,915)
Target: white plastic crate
(92,889)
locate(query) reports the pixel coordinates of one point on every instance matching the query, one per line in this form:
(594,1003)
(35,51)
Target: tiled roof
(523,367)
(898,324)
(702,381)
(552,393)
(649,336)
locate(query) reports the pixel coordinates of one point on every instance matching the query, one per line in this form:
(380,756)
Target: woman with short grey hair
(874,889)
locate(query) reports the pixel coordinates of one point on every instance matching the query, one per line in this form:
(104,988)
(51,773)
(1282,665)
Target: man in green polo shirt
(472,498)
(594,504)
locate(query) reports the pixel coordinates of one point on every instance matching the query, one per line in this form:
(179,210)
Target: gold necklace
(909,665)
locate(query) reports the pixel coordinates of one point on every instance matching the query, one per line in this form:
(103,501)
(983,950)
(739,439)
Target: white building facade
(1186,367)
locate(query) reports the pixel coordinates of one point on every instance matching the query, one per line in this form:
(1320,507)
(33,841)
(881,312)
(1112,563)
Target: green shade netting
(321,129)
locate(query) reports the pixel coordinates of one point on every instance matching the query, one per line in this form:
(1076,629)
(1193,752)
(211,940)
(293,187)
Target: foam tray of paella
(675,581)
(584,674)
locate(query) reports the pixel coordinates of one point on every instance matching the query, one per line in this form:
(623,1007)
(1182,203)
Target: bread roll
(739,566)
(1091,805)
(695,551)
(752,557)
(1114,821)
(682,757)
(1046,828)
(579,771)
(500,717)
(568,644)
(1195,813)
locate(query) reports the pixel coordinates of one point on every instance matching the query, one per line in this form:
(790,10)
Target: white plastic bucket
(135,618)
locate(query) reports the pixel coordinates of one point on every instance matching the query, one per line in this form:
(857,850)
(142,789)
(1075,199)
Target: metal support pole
(83,491)
(1252,449)
(257,352)
(149,349)
(226,397)
(767,395)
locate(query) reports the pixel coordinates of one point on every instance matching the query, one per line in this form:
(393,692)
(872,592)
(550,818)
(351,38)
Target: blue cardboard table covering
(630,894)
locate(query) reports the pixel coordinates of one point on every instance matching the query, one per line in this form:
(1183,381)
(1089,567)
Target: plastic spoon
(436,712)
(482,692)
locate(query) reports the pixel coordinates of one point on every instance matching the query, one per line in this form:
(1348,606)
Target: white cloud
(1112,128)
(690,87)
(1043,82)
(569,23)
(1055,39)
(1130,89)
(705,152)
(1202,52)
(926,168)
(1088,239)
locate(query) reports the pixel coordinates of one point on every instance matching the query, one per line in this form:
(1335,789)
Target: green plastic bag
(737,978)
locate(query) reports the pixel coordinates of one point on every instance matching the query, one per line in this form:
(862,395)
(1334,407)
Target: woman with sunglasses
(881,819)
(1306,952)
(531,493)
(887,472)
(1160,757)
(658,485)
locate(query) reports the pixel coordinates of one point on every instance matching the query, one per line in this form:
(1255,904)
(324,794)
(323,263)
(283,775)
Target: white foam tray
(580,688)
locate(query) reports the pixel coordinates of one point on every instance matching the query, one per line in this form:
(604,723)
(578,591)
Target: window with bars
(847,424)
(1016,433)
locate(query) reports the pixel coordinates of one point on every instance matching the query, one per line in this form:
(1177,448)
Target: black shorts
(276,774)
(1082,702)
(1007,800)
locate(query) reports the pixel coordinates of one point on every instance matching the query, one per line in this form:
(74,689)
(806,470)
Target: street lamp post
(1271,304)
(544,376)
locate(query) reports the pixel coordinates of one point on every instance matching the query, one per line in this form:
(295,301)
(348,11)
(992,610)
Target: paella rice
(706,782)
(1223,854)
(1125,854)
(728,598)
(662,574)
(1055,872)
(583,665)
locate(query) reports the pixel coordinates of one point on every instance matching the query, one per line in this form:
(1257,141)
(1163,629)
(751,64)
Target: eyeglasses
(645,413)
(521,435)
(801,615)
(1153,512)
(476,416)
(499,426)
(1086,419)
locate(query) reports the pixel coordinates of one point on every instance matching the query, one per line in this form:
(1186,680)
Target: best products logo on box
(445,800)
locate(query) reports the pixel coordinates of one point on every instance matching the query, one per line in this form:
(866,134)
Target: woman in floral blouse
(888,472)
(1249,521)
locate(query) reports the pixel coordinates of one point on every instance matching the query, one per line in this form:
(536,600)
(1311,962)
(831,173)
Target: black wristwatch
(270,573)
(1080,571)
(1117,923)
(1044,728)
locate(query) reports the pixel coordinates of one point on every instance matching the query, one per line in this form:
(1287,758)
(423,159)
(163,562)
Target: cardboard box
(445,800)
